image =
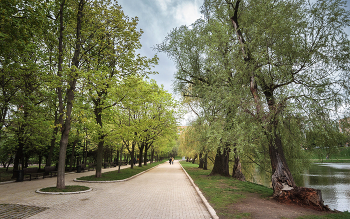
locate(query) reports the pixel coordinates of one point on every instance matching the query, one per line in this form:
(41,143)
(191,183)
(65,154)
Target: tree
(288,58)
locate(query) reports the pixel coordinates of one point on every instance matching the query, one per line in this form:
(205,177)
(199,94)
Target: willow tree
(282,59)
(292,57)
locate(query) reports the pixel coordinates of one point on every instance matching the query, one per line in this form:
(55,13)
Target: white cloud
(187,13)
(163,4)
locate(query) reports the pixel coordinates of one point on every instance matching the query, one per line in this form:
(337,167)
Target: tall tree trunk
(221,166)
(205,162)
(194,158)
(152,154)
(200,160)
(72,155)
(237,168)
(70,92)
(53,141)
(145,155)
(141,148)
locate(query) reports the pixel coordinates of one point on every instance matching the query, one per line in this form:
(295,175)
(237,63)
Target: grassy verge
(124,173)
(331,161)
(5,175)
(222,192)
(67,189)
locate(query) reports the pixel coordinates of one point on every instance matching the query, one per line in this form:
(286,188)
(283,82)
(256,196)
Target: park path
(163,192)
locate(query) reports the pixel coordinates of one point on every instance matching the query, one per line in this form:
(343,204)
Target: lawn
(124,173)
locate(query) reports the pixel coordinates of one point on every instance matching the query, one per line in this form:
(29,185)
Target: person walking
(172,160)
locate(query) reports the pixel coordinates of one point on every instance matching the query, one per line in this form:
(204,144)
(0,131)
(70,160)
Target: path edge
(204,200)
(113,181)
(62,193)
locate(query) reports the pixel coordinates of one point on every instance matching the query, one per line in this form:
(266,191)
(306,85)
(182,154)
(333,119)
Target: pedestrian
(170,161)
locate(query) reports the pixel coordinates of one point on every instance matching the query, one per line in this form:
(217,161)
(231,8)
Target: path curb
(62,193)
(204,200)
(121,180)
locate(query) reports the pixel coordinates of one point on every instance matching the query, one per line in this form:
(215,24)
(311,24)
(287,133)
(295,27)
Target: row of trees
(70,69)
(263,77)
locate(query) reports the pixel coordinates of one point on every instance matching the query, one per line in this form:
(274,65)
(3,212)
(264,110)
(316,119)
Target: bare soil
(266,209)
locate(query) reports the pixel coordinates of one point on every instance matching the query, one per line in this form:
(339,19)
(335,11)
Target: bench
(32,172)
(50,171)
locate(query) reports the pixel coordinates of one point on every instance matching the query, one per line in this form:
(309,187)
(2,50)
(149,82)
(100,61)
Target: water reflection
(333,179)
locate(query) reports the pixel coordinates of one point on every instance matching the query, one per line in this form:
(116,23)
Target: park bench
(50,171)
(32,172)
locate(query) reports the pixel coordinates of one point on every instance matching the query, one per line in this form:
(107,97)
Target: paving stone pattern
(163,192)
(15,211)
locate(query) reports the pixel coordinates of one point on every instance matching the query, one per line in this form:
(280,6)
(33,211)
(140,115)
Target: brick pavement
(163,192)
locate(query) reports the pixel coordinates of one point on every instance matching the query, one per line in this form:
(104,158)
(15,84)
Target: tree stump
(306,197)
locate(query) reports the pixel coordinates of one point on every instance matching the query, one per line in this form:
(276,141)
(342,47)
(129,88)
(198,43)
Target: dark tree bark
(152,155)
(145,154)
(221,166)
(141,148)
(201,163)
(205,162)
(194,159)
(72,155)
(53,141)
(237,169)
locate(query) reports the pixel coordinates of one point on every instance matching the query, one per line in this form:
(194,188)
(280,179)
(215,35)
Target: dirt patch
(266,208)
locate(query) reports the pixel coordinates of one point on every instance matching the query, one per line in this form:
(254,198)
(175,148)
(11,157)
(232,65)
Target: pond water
(333,179)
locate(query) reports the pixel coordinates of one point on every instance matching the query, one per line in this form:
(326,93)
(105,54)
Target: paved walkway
(163,192)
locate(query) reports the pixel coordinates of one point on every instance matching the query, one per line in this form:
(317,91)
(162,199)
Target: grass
(124,173)
(6,175)
(342,215)
(222,191)
(67,189)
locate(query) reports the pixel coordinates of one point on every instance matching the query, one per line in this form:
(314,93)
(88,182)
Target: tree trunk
(40,160)
(237,168)
(72,155)
(53,141)
(205,163)
(201,163)
(70,93)
(141,147)
(152,155)
(221,166)
(194,159)
(145,156)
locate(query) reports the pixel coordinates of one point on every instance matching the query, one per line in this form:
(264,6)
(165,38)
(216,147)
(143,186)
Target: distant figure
(134,160)
(170,161)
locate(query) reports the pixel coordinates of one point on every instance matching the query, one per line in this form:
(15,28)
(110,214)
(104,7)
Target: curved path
(163,192)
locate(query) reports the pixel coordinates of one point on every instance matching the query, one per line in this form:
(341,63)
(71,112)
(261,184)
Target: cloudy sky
(157,18)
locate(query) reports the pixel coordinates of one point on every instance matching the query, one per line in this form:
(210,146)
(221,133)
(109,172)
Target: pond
(333,179)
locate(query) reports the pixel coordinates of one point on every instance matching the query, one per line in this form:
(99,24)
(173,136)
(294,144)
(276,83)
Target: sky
(157,18)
